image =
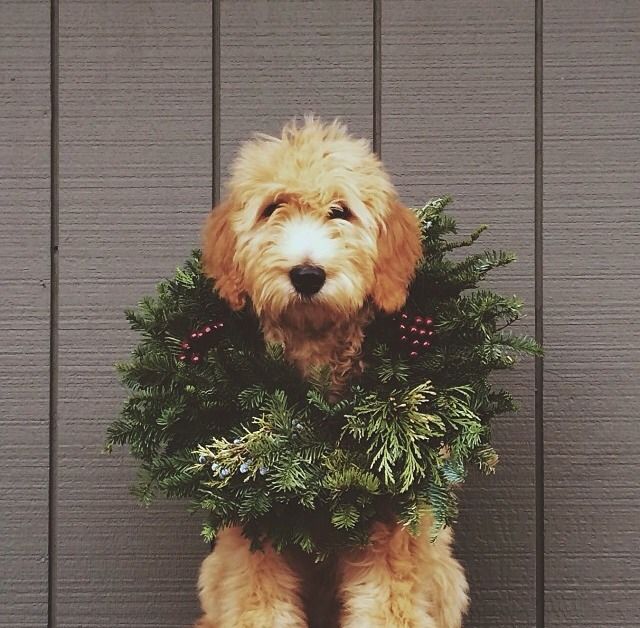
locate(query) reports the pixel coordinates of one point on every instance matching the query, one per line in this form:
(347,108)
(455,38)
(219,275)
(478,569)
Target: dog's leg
(244,589)
(441,581)
(379,584)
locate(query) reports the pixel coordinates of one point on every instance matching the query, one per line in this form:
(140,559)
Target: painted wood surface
(135,182)
(280,60)
(24,311)
(457,118)
(136,97)
(592,298)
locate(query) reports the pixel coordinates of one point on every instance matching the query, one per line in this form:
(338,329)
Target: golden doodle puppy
(312,234)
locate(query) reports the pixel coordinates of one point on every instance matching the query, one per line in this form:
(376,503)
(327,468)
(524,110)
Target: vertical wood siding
(592,294)
(284,59)
(24,311)
(135,181)
(455,101)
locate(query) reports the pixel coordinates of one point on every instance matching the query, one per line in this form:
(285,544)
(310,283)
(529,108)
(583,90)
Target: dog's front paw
(244,589)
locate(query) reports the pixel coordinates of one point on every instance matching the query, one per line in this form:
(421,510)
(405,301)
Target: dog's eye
(339,211)
(269,209)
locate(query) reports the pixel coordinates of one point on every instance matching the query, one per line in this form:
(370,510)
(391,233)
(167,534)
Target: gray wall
(148,106)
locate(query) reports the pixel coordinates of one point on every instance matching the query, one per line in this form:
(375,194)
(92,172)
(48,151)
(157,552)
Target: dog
(312,235)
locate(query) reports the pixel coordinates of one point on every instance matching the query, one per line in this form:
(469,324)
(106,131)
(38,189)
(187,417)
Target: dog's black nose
(307,279)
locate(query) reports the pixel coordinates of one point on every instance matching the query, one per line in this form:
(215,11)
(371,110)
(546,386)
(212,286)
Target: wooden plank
(457,117)
(592,296)
(135,163)
(24,310)
(288,58)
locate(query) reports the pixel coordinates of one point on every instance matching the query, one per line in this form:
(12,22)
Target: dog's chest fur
(316,339)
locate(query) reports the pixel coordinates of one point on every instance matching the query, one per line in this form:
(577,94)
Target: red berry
(414,354)
(414,330)
(422,332)
(207,330)
(221,325)
(195,358)
(194,335)
(431,333)
(182,357)
(418,320)
(200,334)
(402,326)
(403,338)
(404,316)
(415,343)
(185,345)
(429,321)
(426,344)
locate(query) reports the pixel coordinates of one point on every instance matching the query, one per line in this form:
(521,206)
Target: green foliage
(252,444)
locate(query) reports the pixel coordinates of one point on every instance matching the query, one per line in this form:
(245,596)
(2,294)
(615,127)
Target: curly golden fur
(313,236)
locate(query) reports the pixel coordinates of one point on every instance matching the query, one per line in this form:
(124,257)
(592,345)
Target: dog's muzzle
(307,279)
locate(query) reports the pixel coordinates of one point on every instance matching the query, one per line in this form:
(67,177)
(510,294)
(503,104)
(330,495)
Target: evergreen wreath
(215,415)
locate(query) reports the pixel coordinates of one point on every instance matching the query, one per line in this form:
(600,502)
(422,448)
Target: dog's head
(311,221)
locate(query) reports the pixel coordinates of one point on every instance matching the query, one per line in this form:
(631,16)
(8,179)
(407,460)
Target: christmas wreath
(216,415)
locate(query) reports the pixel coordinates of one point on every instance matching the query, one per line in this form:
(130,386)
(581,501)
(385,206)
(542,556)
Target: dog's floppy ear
(218,249)
(399,250)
